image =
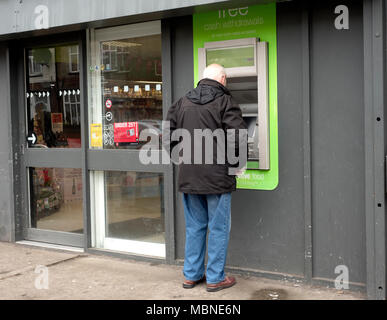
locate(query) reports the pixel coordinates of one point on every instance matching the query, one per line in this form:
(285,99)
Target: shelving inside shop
(136,100)
(134,90)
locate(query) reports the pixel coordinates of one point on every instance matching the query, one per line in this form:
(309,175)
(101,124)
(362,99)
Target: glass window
(127,93)
(134,206)
(73,59)
(128,206)
(53,97)
(56,199)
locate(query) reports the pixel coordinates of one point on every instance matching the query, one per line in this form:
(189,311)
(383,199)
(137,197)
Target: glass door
(52,115)
(127,196)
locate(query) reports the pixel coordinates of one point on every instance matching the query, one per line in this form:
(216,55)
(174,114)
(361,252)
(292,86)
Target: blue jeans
(201,212)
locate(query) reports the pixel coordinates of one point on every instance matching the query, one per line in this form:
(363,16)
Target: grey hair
(214,71)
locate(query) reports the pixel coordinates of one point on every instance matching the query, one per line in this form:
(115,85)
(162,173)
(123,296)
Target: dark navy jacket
(208,106)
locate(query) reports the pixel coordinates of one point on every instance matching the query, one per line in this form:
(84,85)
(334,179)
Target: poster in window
(126,132)
(96,135)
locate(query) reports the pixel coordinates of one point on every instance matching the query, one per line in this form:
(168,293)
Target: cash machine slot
(245,61)
(245,92)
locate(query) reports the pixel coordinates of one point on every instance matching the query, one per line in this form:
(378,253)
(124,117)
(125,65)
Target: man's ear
(224,78)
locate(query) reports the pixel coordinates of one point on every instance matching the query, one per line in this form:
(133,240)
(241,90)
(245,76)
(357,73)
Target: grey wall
(19,16)
(6,194)
(321,134)
(182,81)
(337,118)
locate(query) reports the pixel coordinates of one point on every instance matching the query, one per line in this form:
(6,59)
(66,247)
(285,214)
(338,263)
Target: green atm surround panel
(256,22)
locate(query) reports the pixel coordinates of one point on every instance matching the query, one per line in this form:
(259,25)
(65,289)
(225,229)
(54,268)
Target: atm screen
(231,57)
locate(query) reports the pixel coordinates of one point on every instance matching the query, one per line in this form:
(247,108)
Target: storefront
(117,73)
(78,92)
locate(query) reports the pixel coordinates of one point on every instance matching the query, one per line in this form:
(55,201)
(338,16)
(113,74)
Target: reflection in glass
(131,82)
(134,206)
(56,199)
(53,96)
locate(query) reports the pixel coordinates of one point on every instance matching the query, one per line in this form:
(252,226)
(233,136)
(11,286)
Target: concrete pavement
(73,275)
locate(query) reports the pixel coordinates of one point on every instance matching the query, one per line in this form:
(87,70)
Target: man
(207,187)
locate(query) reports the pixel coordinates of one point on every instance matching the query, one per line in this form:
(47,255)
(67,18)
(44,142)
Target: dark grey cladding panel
(6,199)
(182,81)
(337,118)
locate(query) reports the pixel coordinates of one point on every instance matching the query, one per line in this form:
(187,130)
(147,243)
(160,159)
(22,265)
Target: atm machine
(246,64)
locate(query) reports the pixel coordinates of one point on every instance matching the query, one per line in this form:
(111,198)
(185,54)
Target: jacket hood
(206,91)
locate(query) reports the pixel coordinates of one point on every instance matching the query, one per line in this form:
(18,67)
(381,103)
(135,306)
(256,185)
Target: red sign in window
(126,132)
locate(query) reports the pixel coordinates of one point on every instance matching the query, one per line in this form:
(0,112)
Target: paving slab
(15,259)
(88,276)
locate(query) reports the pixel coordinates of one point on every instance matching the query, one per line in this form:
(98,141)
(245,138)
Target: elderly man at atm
(207,187)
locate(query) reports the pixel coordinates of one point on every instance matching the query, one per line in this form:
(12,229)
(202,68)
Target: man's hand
(240,171)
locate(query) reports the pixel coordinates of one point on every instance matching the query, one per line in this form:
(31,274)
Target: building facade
(80,81)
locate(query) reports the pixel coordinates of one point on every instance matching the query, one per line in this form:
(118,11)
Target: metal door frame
(128,160)
(374,15)
(51,158)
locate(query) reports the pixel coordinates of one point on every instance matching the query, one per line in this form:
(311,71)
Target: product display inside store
(56,199)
